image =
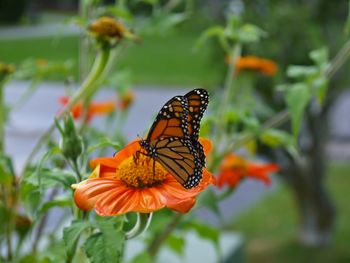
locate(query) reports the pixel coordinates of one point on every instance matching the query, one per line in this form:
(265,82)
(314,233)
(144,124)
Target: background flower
(234,168)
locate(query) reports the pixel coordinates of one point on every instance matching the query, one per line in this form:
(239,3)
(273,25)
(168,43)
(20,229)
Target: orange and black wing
(171,120)
(198,100)
(178,157)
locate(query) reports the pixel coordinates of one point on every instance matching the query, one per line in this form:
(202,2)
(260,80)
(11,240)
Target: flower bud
(6,70)
(71,142)
(109,31)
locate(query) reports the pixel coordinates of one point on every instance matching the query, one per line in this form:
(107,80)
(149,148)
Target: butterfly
(198,101)
(173,137)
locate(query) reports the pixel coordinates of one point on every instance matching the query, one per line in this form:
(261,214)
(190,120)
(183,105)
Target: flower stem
(2,117)
(142,223)
(226,96)
(159,240)
(87,89)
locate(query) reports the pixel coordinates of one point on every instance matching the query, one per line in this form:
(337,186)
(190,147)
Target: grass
(270,226)
(156,60)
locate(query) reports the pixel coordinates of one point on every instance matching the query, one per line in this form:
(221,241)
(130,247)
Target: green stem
(160,239)
(87,89)
(2,117)
(142,223)
(228,88)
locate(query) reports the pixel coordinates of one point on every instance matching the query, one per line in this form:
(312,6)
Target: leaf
(300,72)
(31,197)
(143,257)
(320,85)
(297,98)
(319,56)
(176,243)
(71,236)
(103,142)
(205,232)
(209,200)
(215,31)
(50,178)
(58,202)
(107,245)
(100,248)
(249,33)
(275,138)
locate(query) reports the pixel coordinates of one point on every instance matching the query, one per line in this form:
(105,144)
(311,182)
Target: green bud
(71,142)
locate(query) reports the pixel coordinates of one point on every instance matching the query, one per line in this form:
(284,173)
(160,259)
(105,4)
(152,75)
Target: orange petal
(130,200)
(207,145)
(106,163)
(183,206)
(230,178)
(89,191)
(102,108)
(129,150)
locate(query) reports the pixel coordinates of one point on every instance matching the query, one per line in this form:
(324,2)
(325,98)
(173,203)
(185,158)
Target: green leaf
(209,200)
(300,72)
(6,174)
(320,85)
(71,236)
(215,31)
(143,257)
(107,245)
(176,243)
(103,142)
(101,248)
(275,138)
(297,98)
(204,231)
(31,197)
(50,178)
(57,202)
(319,56)
(249,33)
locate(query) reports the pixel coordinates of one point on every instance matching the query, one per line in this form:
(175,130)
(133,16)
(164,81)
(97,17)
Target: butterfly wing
(171,120)
(198,100)
(178,156)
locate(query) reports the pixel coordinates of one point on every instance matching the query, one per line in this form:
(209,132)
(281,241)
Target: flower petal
(88,192)
(207,145)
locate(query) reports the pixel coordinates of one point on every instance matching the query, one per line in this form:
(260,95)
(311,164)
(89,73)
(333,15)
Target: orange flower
(95,108)
(126,183)
(264,66)
(125,100)
(234,168)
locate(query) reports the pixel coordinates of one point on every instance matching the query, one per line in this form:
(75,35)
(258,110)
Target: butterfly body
(173,138)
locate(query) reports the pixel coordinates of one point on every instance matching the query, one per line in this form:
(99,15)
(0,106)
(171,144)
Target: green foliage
(71,142)
(297,98)
(177,244)
(6,170)
(234,32)
(143,257)
(106,245)
(71,237)
(274,233)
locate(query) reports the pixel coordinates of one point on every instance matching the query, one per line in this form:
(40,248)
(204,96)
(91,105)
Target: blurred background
(305,215)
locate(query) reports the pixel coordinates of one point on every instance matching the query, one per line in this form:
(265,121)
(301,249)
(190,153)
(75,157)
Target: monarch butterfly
(198,101)
(169,140)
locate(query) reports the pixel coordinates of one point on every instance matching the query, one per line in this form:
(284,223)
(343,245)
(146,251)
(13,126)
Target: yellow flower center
(141,171)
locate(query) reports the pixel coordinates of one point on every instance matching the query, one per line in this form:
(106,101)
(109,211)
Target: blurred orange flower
(264,66)
(134,183)
(125,100)
(234,168)
(95,108)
